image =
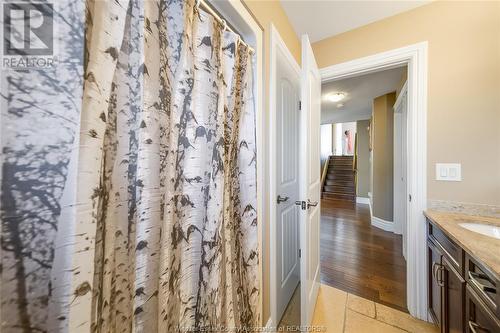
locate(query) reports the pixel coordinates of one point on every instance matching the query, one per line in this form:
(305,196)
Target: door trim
(276,43)
(400,192)
(415,57)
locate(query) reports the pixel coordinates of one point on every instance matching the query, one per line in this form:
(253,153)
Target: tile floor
(339,311)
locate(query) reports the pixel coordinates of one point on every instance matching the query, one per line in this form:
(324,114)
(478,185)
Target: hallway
(359,258)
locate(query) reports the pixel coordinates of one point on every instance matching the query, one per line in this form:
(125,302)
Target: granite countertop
(483,248)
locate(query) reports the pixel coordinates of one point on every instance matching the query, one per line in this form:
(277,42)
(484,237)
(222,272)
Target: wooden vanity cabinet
(462,294)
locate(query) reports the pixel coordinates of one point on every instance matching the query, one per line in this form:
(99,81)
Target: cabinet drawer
(479,318)
(447,246)
(484,283)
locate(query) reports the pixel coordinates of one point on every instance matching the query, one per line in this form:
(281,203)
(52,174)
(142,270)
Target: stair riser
(340,163)
(334,169)
(339,189)
(345,170)
(337,182)
(342,177)
(338,196)
(336,164)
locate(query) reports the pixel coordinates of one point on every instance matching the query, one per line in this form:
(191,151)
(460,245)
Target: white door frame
(240,17)
(415,57)
(400,137)
(276,42)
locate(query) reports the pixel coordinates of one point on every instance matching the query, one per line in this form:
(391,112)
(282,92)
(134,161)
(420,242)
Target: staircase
(340,181)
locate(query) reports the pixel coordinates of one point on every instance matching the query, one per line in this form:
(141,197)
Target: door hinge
(409,197)
(300,253)
(300,105)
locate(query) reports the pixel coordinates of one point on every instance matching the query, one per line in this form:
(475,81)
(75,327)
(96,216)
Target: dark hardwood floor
(359,258)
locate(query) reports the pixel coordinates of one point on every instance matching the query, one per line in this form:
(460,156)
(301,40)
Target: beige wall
(363,140)
(463,120)
(383,156)
(267,12)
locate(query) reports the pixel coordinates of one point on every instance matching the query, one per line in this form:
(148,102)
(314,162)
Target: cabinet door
(479,317)
(435,288)
(454,297)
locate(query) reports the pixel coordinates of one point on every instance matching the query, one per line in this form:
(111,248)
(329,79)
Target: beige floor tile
(361,305)
(330,309)
(403,320)
(358,323)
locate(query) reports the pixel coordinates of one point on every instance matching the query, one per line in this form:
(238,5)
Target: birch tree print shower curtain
(128,196)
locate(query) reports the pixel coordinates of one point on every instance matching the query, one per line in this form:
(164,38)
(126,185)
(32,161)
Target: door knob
(311,204)
(280,199)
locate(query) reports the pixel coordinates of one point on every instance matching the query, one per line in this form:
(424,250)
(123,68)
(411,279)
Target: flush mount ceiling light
(336,97)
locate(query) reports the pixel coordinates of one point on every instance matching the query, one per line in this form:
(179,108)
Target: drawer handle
(440,272)
(437,270)
(473,326)
(474,278)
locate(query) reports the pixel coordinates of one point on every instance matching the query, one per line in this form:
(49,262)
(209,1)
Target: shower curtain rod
(212,12)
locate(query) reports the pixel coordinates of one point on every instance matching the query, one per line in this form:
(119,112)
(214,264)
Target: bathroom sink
(483,229)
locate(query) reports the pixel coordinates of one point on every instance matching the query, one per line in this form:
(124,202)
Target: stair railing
(355,163)
(324,173)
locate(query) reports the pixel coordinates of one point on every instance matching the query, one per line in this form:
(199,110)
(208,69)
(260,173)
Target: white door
(287,179)
(310,180)
(400,166)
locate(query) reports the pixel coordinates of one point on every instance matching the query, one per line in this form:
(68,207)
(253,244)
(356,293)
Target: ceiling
(360,92)
(321,19)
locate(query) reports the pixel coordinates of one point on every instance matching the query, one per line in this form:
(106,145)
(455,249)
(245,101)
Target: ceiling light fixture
(336,97)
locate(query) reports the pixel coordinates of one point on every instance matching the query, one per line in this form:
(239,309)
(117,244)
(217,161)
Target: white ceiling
(361,91)
(321,19)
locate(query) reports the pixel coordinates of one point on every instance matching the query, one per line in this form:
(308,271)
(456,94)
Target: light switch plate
(451,172)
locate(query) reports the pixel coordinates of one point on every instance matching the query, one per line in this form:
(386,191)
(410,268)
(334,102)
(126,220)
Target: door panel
(454,295)
(287,178)
(289,245)
(435,290)
(310,181)
(289,131)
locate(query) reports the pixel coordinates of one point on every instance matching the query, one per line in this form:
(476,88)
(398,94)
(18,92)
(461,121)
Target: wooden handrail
(355,158)
(355,163)
(325,171)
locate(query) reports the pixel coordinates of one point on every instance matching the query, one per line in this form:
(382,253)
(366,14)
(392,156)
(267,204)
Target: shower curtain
(146,158)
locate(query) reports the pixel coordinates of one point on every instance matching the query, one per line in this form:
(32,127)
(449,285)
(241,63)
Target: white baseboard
(363,200)
(382,224)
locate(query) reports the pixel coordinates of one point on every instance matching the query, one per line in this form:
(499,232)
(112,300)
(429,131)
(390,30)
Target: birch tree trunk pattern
(134,208)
